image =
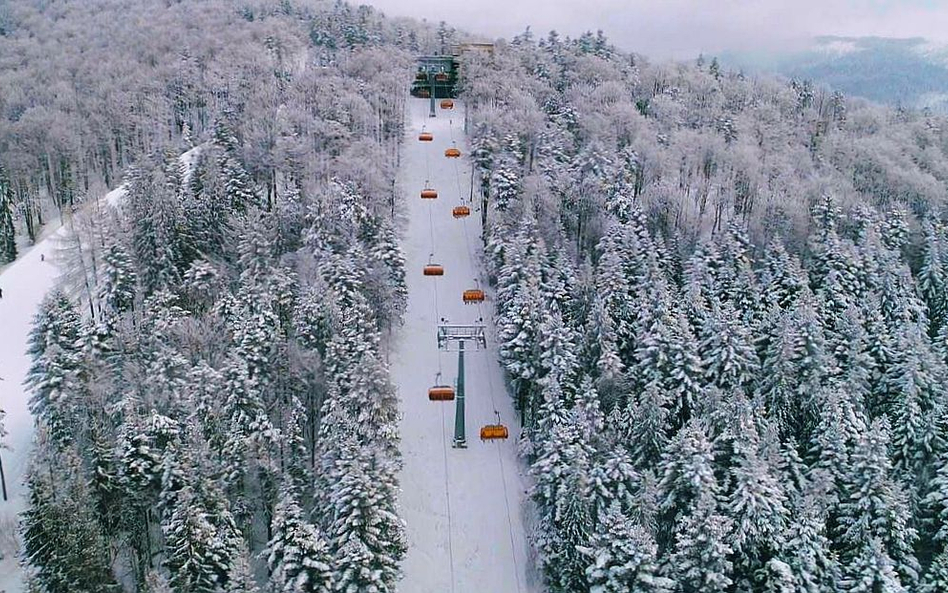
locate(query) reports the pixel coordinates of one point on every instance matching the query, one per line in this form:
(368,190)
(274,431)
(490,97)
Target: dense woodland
(214,407)
(722,310)
(722,304)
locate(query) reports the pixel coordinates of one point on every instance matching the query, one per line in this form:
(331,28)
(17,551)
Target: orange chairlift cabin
(452,153)
(429,193)
(432,269)
(425,136)
(461,211)
(473,296)
(447,104)
(424,93)
(490,432)
(441,392)
(441,77)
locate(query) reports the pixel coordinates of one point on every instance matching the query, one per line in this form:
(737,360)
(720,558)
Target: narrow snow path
(464,507)
(24,284)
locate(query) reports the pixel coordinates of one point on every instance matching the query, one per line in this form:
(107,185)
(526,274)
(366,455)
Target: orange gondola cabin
(452,153)
(429,194)
(447,104)
(474,295)
(441,77)
(461,211)
(426,137)
(494,431)
(441,393)
(434,270)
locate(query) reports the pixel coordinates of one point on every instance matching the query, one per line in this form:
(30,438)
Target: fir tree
(297,554)
(8,249)
(622,557)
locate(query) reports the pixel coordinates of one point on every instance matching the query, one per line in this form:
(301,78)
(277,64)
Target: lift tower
(451,338)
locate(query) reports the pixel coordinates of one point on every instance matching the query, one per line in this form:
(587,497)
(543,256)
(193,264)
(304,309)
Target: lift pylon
(452,338)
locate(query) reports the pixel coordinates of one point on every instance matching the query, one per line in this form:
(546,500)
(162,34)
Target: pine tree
(297,554)
(366,536)
(199,554)
(117,286)
(727,354)
(876,532)
(699,563)
(54,374)
(809,555)
(622,557)
(7,230)
(932,279)
(62,541)
(687,479)
(758,506)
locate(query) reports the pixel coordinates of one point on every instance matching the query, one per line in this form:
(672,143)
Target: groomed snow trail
(464,507)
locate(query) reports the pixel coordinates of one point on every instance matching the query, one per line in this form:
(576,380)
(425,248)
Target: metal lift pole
(451,338)
(460,438)
(432,102)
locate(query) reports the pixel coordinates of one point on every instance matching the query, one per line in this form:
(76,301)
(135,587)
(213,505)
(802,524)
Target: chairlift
(429,193)
(490,432)
(425,136)
(433,269)
(452,153)
(461,211)
(440,392)
(447,104)
(473,295)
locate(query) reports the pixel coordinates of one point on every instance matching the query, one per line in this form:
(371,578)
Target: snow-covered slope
(464,507)
(24,283)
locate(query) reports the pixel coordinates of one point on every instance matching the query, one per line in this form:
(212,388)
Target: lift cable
(490,384)
(444,435)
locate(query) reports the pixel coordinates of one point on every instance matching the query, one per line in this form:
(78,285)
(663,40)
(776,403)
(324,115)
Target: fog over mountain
(911,72)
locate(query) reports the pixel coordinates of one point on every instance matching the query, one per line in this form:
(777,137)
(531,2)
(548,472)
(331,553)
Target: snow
(24,283)
(465,509)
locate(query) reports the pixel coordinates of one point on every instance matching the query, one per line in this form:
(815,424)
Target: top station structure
(437,76)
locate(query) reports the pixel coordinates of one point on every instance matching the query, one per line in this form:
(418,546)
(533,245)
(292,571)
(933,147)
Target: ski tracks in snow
(464,508)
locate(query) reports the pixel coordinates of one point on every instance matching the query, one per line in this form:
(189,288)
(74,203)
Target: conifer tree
(297,554)
(8,249)
(622,557)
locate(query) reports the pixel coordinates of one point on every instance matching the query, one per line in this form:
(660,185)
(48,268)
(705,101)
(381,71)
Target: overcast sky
(684,28)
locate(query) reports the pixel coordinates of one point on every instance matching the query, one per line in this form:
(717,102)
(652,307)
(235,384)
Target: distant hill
(910,72)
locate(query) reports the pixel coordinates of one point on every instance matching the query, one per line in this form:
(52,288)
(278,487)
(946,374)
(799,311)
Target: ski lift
(441,77)
(440,392)
(425,136)
(490,432)
(424,93)
(429,193)
(473,295)
(447,104)
(461,211)
(432,269)
(421,76)
(452,153)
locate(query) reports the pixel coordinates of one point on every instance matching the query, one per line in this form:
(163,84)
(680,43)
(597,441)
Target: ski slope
(464,508)
(25,283)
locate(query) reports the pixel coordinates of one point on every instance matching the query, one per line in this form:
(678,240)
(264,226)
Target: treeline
(87,87)
(722,311)
(214,410)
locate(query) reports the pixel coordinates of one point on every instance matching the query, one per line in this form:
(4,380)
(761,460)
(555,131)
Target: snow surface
(24,283)
(465,508)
